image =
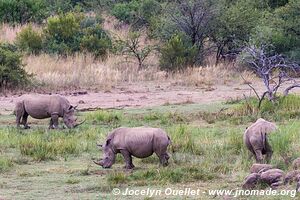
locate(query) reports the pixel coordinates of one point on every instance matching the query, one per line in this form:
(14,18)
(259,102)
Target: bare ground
(146,94)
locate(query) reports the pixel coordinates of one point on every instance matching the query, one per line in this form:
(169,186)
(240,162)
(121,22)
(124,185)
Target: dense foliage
(66,34)
(220,28)
(12,73)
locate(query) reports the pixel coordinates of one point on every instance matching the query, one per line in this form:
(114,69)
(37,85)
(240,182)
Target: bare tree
(193,18)
(132,46)
(272,68)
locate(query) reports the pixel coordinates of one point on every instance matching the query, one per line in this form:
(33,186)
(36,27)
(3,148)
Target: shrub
(12,74)
(22,11)
(69,33)
(149,8)
(126,12)
(61,34)
(176,54)
(95,41)
(29,40)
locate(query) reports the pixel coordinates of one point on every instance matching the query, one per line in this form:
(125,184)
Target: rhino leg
(19,111)
(54,121)
(128,159)
(258,156)
(269,151)
(24,120)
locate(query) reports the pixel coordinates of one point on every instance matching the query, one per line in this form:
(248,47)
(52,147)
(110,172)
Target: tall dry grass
(8,33)
(82,71)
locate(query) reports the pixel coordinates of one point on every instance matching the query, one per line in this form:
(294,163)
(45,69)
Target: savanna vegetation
(204,154)
(58,45)
(145,37)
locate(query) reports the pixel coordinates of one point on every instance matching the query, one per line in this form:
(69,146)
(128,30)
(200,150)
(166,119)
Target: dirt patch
(145,94)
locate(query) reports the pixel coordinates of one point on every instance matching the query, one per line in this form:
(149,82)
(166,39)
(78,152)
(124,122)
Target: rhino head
(69,117)
(109,155)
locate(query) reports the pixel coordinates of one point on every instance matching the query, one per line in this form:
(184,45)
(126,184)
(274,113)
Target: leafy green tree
(280,29)
(289,22)
(22,11)
(12,74)
(234,25)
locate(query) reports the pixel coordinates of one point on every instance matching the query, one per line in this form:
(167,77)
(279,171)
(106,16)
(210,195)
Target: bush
(126,12)
(62,34)
(70,33)
(22,11)
(95,41)
(29,40)
(149,8)
(12,74)
(177,54)
(136,12)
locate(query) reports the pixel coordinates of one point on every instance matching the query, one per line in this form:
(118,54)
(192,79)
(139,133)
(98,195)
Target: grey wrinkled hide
(140,142)
(259,168)
(45,106)
(255,139)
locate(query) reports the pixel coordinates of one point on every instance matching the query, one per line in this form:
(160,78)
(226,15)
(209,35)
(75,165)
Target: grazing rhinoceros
(140,142)
(255,138)
(45,106)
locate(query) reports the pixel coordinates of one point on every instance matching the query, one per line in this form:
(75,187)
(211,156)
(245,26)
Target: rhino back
(141,142)
(41,106)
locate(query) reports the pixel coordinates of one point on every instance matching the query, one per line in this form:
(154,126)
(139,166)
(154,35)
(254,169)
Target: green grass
(5,164)
(207,151)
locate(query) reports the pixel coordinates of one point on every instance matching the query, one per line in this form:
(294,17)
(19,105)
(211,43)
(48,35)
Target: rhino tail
(263,139)
(169,140)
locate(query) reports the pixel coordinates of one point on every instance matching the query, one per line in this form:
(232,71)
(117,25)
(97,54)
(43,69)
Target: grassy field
(207,152)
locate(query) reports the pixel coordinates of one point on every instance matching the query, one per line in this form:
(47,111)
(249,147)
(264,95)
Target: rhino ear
(108,141)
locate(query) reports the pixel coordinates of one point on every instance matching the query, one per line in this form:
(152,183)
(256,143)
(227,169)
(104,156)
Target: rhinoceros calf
(45,106)
(140,142)
(255,139)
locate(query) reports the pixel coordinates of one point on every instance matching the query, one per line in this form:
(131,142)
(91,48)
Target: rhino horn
(79,123)
(97,162)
